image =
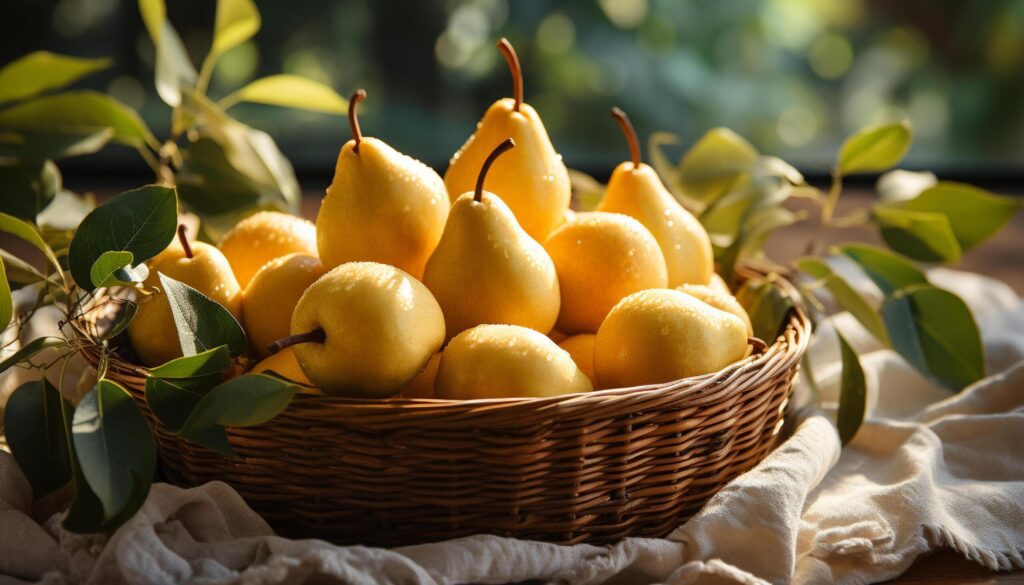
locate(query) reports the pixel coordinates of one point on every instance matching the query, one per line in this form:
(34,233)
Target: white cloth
(928,470)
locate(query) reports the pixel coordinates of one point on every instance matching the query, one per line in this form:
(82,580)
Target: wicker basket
(590,467)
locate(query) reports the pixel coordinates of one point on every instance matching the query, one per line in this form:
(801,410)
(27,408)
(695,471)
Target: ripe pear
(271,297)
(581,348)
(364,330)
(600,258)
(718,283)
(506,361)
(382,205)
(201,266)
(263,236)
(532,180)
(486,269)
(661,335)
(283,363)
(723,302)
(422,386)
(635,190)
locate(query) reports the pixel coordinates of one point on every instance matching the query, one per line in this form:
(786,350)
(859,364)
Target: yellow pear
(283,363)
(422,386)
(635,190)
(581,348)
(600,258)
(723,302)
(532,180)
(201,266)
(718,283)
(382,205)
(263,236)
(486,269)
(506,361)
(662,335)
(271,297)
(364,330)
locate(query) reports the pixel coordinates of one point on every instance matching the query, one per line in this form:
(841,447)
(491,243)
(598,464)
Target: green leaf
(874,149)
(121,322)
(900,185)
(290,91)
(887,270)
(852,393)
(202,324)
(27,232)
(6,301)
(174,389)
(42,71)
(974,214)
(846,296)
(767,306)
(174,69)
(30,349)
(143,222)
(934,330)
(36,434)
(19,272)
(715,163)
(41,146)
(245,401)
(236,22)
(114,447)
(102,272)
(921,235)
(82,113)
(27,187)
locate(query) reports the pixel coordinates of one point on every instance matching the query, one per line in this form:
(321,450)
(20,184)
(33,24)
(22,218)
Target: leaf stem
(832,199)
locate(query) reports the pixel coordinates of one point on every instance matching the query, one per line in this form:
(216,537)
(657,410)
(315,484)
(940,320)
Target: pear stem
(507,144)
(315,336)
(630,132)
(353,121)
(184,240)
(517,71)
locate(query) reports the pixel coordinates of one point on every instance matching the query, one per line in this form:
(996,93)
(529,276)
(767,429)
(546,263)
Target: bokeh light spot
(830,56)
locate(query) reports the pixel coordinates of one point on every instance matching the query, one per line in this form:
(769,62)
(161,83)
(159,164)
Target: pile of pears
(483,284)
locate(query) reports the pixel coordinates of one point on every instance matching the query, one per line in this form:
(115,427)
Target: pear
(199,265)
(661,335)
(600,258)
(532,180)
(422,386)
(284,364)
(635,190)
(581,348)
(486,269)
(719,300)
(382,205)
(271,296)
(364,330)
(506,361)
(263,236)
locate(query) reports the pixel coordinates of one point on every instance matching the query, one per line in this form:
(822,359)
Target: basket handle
(757,345)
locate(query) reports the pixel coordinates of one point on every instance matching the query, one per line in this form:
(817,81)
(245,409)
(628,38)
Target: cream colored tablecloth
(928,470)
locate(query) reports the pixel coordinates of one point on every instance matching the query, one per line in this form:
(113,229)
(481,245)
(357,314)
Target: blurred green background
(793,76)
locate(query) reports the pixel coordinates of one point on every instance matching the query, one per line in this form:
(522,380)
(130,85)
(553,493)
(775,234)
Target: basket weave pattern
(590,467)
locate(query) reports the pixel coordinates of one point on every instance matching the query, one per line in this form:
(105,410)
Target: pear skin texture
(718,283)
(271,296)
(422,386)
(381,326)
(601,258)
(284,363)
(640,194)
(486,269)
(506,361)
(152,331)
(531,178)
(581,348)
(263,236)
(722,302)
(382,206)
(662,335)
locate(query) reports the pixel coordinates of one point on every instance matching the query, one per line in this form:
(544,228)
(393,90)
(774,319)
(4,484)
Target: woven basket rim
(785,351)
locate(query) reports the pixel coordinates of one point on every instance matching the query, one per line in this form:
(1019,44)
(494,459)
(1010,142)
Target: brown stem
(507,144)
(353,121)
(315,336)
(184,240)
(630,132)
(517,71)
